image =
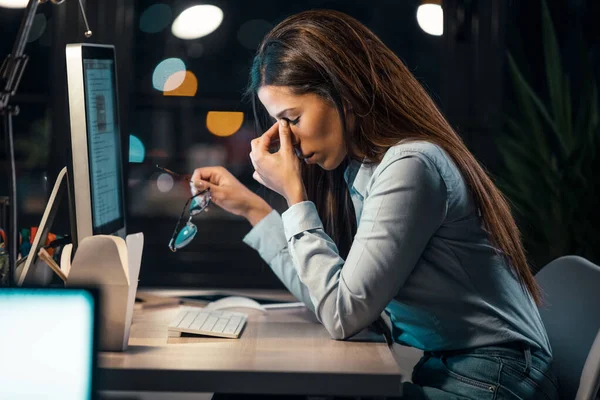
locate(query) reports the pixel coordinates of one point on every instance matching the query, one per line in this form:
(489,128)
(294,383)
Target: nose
(295,142)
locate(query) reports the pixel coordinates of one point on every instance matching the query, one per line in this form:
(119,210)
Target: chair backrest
(570,311)
(590,377)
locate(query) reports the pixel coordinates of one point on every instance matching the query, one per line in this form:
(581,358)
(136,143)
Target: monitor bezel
(81,174)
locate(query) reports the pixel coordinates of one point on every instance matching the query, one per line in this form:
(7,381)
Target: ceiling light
(13,3)
(197,21)
(430,17)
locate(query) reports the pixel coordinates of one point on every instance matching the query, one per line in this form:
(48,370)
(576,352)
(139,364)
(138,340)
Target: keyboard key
(210,322)
(199,321)
(187,321)
(231,327)
(220,325)
(178,320)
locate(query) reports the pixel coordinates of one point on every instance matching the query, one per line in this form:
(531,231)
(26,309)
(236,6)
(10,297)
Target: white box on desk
(112,265)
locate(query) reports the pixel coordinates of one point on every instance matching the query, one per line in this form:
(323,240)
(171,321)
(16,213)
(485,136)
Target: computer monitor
(48,342)
(95,182)
(95,141)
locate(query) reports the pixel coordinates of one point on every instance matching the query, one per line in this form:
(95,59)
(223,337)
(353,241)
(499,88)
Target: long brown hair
(333,55)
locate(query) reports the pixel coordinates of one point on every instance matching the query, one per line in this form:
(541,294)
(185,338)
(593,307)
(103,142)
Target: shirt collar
(358,174)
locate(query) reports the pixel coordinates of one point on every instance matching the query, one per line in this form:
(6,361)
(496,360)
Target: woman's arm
(268,238)
(405,206)
(267,235)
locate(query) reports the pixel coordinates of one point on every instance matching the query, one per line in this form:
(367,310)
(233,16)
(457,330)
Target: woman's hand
(279,171)
(230,194)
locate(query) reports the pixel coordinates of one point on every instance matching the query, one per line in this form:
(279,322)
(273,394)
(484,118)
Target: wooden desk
(282,351)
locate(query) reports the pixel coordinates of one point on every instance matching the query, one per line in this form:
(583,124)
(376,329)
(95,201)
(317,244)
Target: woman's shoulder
(429,152)
(415,146)
(459,199)
(400,159)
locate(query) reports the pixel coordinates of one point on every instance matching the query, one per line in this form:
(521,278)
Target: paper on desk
(283,305)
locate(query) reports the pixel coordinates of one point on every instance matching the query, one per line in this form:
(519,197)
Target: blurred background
(517,79)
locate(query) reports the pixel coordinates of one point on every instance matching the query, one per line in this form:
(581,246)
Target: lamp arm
(11,73)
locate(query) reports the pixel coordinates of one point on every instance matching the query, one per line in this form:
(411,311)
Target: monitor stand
(34,272)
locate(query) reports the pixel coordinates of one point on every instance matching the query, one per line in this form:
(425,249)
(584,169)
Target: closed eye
(293,122)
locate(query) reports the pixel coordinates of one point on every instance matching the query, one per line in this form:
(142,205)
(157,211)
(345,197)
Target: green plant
(551,152)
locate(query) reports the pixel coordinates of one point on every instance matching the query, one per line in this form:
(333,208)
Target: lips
(309,159)
(302,156)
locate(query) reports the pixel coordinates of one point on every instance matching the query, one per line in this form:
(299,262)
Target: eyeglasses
(183,235)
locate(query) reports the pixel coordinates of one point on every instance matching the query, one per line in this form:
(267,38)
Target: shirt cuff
(267,236)
(299,218)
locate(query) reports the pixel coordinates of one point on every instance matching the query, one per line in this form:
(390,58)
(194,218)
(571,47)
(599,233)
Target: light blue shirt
(420,254)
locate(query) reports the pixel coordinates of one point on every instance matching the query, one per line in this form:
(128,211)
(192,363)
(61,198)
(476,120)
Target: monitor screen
(46,344)
(103,144)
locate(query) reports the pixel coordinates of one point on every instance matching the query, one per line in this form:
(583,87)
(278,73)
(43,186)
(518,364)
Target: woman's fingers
(258,178)
(209,177)
(285,135)
(271,135)
(212,175)
(253,161)
(261,145)
(197,186)
(263,142)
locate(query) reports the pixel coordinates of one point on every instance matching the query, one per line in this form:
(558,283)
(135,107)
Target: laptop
(48,343)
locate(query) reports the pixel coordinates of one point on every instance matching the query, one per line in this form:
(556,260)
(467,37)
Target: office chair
(590,377)
(570,312)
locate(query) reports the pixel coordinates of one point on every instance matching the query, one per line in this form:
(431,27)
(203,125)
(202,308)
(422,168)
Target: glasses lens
(184,237)
(199,203)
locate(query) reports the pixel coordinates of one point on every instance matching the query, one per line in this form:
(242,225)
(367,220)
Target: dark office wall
(474,51)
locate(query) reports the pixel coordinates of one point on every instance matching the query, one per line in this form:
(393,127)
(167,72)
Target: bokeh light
(13,3)
(38,27)
(155,18)
(163,72)
(431,19)
(164,182)
(224,123)
(252,32)
(188,87)
(197,21)
(137,150)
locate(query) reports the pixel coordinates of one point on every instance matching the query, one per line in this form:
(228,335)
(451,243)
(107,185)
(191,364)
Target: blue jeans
(510,371)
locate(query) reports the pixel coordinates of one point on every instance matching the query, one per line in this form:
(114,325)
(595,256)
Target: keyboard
(210,323)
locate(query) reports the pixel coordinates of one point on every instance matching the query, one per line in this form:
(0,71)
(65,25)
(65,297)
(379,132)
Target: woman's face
(315,124)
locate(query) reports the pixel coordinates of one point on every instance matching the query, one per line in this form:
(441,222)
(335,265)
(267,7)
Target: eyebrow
(281,113)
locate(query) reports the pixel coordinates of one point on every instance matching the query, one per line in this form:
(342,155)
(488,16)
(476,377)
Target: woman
(389,214)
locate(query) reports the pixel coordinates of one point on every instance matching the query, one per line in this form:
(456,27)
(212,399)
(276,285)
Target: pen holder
(113,266)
